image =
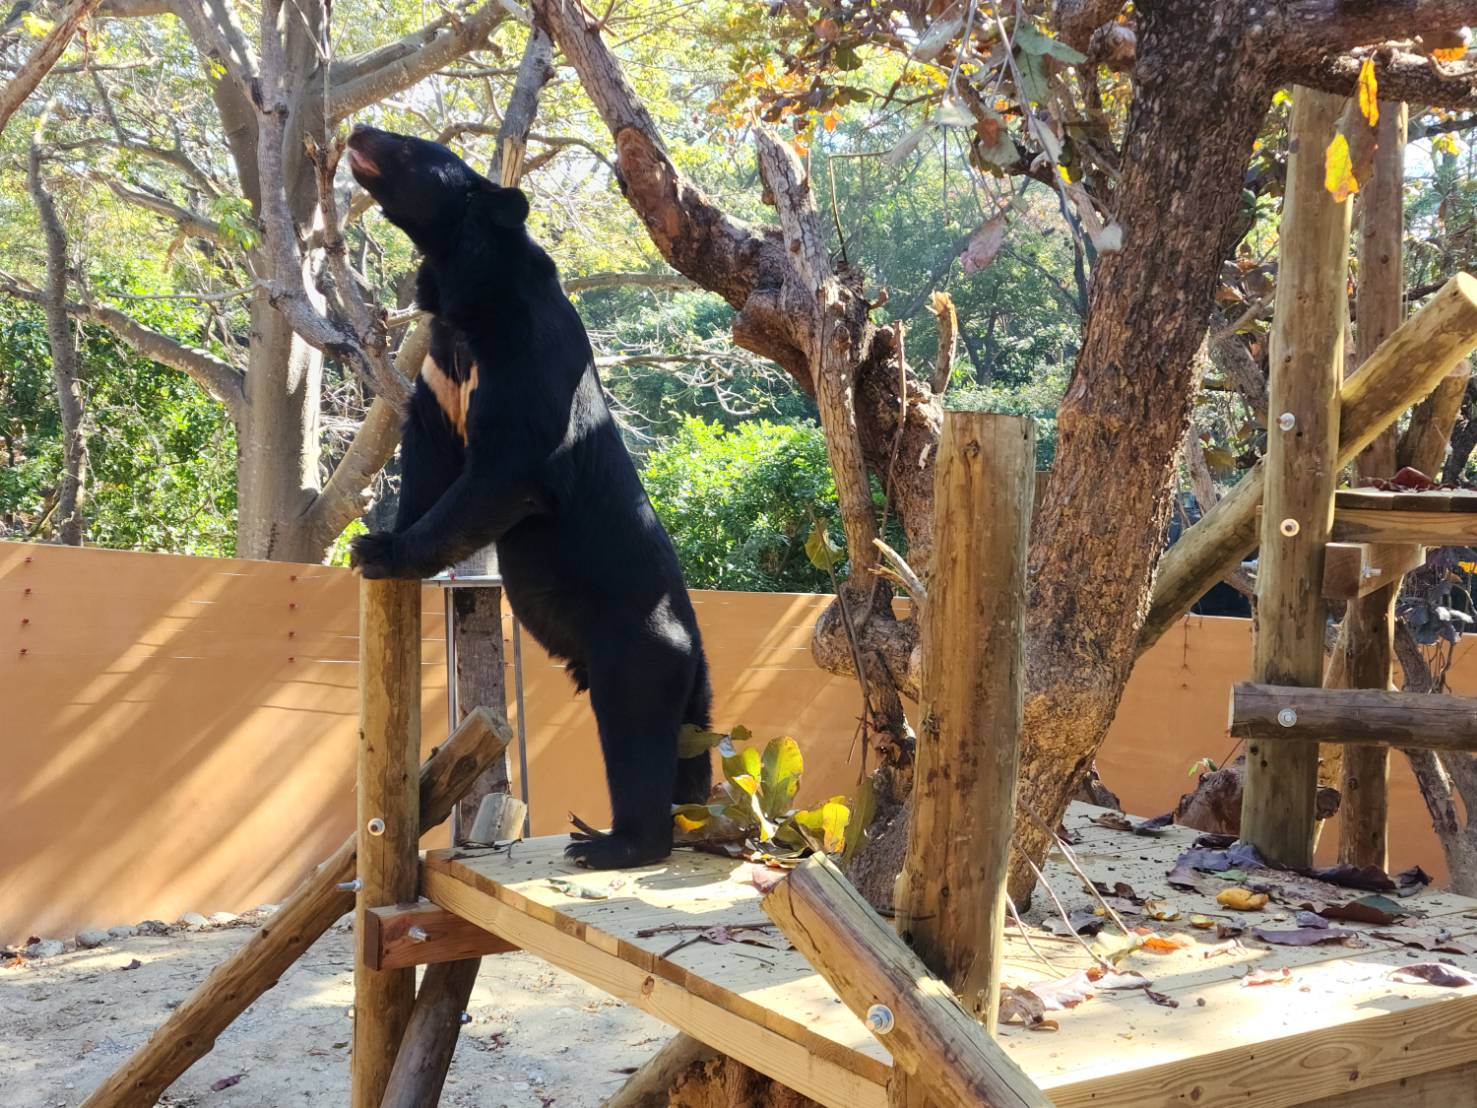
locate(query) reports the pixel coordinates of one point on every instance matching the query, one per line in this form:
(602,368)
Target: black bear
(509,440)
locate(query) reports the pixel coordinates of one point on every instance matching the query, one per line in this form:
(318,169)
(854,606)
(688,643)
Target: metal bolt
(879,1019)
(375,826)
(1287,421)
(465,1018)
(1287,717)
(1373,571)
(417,934)
(1290,527)
(350,886)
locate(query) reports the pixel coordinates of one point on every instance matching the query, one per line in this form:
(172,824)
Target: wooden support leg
(191,1029)
(430,1037)
(389,827)
(1307,355)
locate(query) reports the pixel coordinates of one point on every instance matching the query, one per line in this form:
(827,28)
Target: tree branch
(368,79)
(1327,26)
(1401,76)
(534,72)
(190,222)
(46,55)
(1076,20)
(221,380)
(665,281)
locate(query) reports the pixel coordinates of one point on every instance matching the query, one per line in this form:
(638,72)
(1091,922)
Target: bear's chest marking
(454,396)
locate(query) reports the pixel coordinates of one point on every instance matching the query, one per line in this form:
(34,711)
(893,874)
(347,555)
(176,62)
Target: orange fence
(178,733)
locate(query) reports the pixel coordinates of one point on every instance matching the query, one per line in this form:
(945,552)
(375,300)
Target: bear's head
(431,194)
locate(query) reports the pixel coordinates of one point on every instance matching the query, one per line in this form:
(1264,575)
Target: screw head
(879,1019)
(375,826)
(1289,527)
(1287,717)
(1287,421)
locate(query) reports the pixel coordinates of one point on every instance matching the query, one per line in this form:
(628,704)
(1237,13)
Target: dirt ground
(538,1037)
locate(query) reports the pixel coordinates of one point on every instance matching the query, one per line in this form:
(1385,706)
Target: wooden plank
(1458,501)
(1407,526)
(948,1057)
(1355,569)
(389,824)
(1439,1089)
(1375,717)
(817,1073)
(950,896)
(422,934)
(1306,353)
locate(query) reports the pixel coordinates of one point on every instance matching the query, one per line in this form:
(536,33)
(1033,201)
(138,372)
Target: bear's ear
(507,206)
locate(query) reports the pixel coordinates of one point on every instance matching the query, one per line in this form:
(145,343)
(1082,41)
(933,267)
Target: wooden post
(948,1057)
(950,895)
(1410,364)
(389,824)
(191,1029)
(1306,355)
(1369,643)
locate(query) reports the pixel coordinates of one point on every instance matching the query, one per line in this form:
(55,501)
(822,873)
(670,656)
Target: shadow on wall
(179,733)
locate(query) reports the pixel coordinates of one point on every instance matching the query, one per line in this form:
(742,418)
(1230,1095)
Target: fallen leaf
(764,878)
(1161,999)
(1308,936)
(1018,1005)
(1202,923)
(1365,909)
(1214,842)
(1161,943)
(227,1082)
(1437,942)
(1242,900)
(1161,910)
(1281,976)
(1114,948)
(1449,53)
(1434,973)
(1077,923)
(1063,992)
(584,892)
(133,965)
(1158,823)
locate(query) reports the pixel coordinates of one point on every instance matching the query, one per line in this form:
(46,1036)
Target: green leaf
(779,776)
(1033,76)
(822,552)
(1037,44)
(738,762)
(861,818)
(846,58)
(692,740)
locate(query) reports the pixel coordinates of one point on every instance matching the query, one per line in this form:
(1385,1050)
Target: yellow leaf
(35,26)
(1447,144)
(1067,177)
(1243,900)
(829,121)
(1449,53)
(1369,92)
(1338,170)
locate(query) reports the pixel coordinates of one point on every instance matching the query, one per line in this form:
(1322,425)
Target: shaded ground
(538,1037)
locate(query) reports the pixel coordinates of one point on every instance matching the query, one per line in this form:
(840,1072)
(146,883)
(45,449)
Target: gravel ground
(538,1037)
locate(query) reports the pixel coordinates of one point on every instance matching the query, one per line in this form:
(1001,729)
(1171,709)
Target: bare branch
(534,72)
(221,380)
(589,283)
(46,55)
(190,222)
(368,80)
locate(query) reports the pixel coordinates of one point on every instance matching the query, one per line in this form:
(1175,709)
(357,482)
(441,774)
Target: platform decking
(1333,1034)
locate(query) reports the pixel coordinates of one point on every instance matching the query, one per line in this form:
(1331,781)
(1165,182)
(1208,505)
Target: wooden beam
(1306,353)
(932,1038)
(191,1029)
(1287,714)
(1428,528)
(1355,569)
(1406,367)
(430,1036)
(422,935)
(950,895)
(389,737)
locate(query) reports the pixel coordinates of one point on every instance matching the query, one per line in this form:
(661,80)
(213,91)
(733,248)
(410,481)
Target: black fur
(587,566)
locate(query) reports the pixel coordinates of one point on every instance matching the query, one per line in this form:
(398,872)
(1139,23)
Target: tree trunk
(1199,102)
(277,469)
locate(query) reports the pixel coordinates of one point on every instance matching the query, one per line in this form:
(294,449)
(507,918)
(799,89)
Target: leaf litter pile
(1221,898)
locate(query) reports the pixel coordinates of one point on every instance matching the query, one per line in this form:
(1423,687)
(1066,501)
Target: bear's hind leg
(638,700)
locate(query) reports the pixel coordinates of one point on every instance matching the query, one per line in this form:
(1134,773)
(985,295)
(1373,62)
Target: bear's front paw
(374,555)
(616,852)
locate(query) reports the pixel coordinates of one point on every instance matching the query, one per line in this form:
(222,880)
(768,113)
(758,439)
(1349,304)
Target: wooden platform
(1436,518)
(1340,1031)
